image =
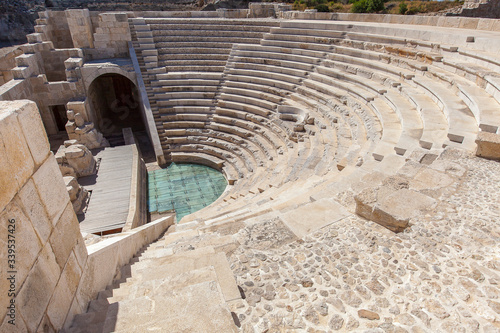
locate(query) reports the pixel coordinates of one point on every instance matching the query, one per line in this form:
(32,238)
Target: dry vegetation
(389,7)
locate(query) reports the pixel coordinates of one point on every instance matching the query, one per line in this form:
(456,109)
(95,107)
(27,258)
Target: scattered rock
(368,314)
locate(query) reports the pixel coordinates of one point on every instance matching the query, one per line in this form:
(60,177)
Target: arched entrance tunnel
(115,101)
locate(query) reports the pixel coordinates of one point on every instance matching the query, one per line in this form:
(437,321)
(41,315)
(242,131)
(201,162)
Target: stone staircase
(168,287)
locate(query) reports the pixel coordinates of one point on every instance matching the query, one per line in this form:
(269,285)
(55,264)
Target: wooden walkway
(109,203)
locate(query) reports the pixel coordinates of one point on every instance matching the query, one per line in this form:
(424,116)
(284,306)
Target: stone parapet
(50,251)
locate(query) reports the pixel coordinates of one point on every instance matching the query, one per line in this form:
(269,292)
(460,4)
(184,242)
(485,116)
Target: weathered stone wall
(258,9)
(53,63)
(57,28)
(111,37)
(50,253)
(80,27)
(490,9)
(7,62)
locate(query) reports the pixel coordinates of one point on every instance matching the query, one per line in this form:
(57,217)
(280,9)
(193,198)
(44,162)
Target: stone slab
(488,145)
(313,216)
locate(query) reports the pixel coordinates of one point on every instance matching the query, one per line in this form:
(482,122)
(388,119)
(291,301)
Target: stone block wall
(7,62)
(57,29)
(262,9)
(111,36)
(80,26)
(35,209)
(53,62)
(480,8)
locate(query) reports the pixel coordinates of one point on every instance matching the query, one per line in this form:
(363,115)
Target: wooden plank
(109,203)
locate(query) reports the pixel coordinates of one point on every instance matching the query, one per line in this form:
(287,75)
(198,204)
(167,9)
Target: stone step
(166,84)
(275,55)
(194,49)
(252,93)
(187,109)
(184,95)
(192,57)
(209,21)
(302,44)
(462,124)
(165,41)
(185,89)
(185,62)
(244,99)
(256,87)
(195,68)
(216,27)
(158,34)
(228,104)
(272,62)
(185,102)
(266,75)
(274,68)
(189,309)
(246,77)
(172,75)
(308,53)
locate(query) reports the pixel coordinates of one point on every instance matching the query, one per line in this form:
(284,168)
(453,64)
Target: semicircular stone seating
(309,121)
(294,111)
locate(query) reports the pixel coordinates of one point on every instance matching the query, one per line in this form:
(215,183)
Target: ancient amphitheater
(360,151)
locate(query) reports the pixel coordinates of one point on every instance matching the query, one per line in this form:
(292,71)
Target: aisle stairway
(186,291)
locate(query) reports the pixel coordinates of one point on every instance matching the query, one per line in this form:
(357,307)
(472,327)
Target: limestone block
(66,170)
(51,188)
(34,132)
(27,245)
(38,288)
(16,162)
(64,293)
(35,211)
(75,309)
(392,205)
(395,210)
(20,326)
(77,194)
(488,145)
(430,179)
(73,63)
(72,187)
(79,121)
(70,127)
(68,143)
(65,235)
(89,137)
(84,128)
(365,201)
(34,38)
(80,107)
(449,167)
(80,159)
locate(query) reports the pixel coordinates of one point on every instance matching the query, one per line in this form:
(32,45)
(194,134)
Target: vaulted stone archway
(116,104)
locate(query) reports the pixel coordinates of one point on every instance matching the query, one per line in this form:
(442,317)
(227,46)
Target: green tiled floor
(186,188)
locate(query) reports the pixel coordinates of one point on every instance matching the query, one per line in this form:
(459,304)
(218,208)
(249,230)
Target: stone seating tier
(382,79)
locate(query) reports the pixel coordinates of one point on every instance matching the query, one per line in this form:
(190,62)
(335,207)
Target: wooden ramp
(109,203)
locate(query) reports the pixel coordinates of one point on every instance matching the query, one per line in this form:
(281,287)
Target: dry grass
(392,7)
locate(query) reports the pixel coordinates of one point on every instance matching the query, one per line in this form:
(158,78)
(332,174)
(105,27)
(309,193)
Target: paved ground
(441,275)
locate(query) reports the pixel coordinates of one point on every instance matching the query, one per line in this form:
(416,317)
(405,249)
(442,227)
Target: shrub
(403,8)
(367,6)
(322,8)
